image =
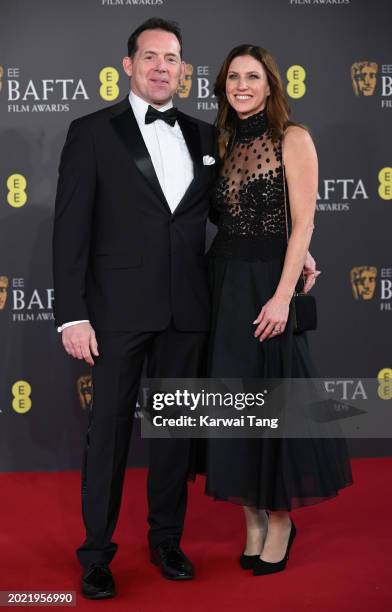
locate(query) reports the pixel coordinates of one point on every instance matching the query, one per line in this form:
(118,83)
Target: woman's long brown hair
(277,106)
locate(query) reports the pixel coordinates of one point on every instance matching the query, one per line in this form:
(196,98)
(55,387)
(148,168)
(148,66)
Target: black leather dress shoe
(98,582)
(172,562)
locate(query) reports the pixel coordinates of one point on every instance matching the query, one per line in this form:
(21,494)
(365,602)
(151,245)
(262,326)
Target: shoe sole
(99,596)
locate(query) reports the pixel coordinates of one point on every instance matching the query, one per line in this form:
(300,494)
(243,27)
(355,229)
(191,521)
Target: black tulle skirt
(267,473)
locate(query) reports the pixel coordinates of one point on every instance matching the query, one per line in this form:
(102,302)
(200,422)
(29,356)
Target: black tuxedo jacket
(120,257)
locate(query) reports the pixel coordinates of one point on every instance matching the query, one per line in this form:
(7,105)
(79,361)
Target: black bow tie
(169,116)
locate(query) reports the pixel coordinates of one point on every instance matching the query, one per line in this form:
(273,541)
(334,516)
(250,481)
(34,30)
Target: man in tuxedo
(130,285)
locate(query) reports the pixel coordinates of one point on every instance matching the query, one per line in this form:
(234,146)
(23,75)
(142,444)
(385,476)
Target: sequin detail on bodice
(249,196)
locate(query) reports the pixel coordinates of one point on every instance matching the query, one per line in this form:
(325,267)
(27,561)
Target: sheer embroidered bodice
(249,195)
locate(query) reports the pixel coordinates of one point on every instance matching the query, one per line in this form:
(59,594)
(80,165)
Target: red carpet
(340,559)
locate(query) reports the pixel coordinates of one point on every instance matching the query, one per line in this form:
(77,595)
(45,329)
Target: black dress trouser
(116,380)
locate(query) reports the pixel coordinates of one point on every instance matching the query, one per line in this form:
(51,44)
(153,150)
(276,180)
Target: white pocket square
(208,160)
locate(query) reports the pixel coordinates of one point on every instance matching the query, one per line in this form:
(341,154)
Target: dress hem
(300,502)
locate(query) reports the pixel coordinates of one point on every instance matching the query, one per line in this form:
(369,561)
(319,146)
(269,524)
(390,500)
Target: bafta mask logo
(3,291)
(1,77)
(85,391)
(363,282)
(185,86)
(364,78)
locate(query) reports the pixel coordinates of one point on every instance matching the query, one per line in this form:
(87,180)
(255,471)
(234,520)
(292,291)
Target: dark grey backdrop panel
(52,54)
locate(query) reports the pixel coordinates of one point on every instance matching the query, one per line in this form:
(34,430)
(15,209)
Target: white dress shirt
(168,151)
(169,155)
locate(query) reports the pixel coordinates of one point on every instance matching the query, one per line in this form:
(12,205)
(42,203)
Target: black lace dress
(245,265)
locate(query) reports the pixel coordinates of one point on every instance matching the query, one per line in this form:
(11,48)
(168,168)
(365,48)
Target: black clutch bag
(304,312)
(303,304)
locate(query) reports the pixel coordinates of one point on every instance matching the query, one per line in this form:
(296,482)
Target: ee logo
(21,391)
(384,377)
(385,186)
(296,87)
(16,185)
(109,78)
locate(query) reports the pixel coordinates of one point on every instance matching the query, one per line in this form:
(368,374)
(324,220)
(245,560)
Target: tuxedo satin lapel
(191,133)
(128,131)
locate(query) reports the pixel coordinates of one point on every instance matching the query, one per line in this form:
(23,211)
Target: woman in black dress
(253,273)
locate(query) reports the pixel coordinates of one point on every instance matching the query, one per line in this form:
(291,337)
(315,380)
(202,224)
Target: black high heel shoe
(261,567)
(248,562)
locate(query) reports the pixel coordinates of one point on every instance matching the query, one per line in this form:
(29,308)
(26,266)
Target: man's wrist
(70,324)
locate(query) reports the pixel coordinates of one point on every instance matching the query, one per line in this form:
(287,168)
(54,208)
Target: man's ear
(127,65)
(183,68)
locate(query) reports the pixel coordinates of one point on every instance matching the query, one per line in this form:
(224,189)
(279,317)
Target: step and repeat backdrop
(60,59)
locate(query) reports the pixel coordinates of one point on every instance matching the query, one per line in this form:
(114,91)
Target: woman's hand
(272,318)
(310,272)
